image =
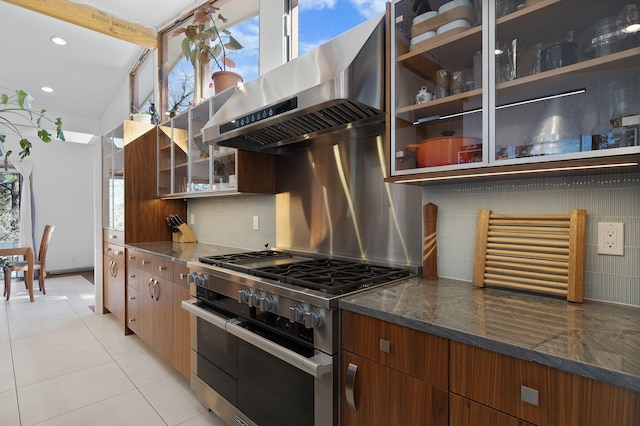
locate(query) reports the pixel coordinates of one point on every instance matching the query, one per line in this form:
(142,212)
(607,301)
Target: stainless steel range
(265,344)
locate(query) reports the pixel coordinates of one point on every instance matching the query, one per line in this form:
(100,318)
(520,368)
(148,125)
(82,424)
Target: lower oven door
(273,382)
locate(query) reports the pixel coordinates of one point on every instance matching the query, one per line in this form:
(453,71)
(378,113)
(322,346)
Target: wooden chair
(38,264)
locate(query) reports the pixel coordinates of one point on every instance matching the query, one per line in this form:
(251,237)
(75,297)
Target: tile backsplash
(606,198)
(228,221)
(611,197)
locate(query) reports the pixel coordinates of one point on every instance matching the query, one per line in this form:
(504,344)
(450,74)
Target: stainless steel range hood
(336,87)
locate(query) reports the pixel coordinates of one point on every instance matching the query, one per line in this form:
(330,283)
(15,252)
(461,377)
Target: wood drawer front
(145,262)
(464,412)
(180,273)
(111,236)
(496,380)
(114,251)
(132,268)
(163,267)
(421,355)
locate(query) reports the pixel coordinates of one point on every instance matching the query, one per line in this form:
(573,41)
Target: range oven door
(254,375)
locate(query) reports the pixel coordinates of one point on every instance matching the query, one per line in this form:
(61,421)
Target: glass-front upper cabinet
(173,161)
(113,179)
(567,79)
(437,94)
(479,84)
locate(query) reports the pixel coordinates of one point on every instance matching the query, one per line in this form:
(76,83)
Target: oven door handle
(317,366)
(190,306)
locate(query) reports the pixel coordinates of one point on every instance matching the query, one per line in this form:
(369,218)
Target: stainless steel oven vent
(342,116)
(338,86)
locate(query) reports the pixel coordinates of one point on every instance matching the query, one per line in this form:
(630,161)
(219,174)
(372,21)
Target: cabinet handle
(144,262)
(132,298)
(183,276)
(132,258)
(117,252)
(115,269)
(350,386)
(149,285)
(162,268)
(113,237)
(132,319)
(132,276)
(529,395)
(156,295)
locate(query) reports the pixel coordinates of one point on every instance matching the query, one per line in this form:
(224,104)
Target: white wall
(62,183)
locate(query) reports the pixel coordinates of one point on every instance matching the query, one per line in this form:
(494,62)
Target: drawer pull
(132,276)
(350,386)
(132,319)
(162,268)
(183,276)
(117,252)
(385,346)
(144,262)
(529,395)
(132,298)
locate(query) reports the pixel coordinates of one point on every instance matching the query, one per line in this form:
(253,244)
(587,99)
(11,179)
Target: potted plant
(205,41)
(15,113)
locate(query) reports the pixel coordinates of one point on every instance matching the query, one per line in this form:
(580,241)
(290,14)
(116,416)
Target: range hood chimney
(336,87)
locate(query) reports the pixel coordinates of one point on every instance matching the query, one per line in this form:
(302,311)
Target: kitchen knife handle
(350,386)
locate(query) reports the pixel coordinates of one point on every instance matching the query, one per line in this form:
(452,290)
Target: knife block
(184,235)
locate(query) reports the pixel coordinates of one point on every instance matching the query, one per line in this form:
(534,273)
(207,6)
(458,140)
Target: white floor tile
(28,327)
(173,399)
(145,368)
(9,414)
(61,395)
(46,356)
(7,380)
(122,346)
(127,409)
(4,328)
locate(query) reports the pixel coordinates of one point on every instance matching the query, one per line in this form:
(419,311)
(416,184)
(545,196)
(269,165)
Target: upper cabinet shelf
(496,89)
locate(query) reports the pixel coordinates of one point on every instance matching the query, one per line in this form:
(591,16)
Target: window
(10,205)
(178,77)
(142,77)
(320,21)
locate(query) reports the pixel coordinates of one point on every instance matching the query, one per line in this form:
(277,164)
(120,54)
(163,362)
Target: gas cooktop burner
(332,276)
(242,257)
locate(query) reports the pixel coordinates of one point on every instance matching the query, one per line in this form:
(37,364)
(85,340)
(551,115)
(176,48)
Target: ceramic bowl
(423,17)
(422,37)
(457,24)
(453,4)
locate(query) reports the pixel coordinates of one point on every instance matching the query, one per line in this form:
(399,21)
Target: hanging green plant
(15,113)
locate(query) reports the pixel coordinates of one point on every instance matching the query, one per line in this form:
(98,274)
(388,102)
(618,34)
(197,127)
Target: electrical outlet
(256,224)
(611,238)
(192,219)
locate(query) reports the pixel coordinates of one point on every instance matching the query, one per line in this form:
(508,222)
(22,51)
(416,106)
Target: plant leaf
(229,62)
(44,135)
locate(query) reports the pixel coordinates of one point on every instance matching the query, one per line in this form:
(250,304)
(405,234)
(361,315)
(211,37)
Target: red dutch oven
(441,151)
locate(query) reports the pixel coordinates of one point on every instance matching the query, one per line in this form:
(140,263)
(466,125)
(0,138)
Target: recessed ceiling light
(59,41)
(46,89)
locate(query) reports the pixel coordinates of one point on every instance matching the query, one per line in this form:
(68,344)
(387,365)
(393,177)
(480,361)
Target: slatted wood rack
(531,252)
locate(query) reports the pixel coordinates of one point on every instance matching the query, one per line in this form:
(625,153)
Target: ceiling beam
(93,19)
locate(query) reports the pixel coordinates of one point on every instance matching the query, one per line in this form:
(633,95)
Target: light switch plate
(611,238)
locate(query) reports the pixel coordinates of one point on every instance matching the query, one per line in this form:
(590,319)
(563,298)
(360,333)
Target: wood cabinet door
(163,318)
(113,291)
(181,331)
(146,305)
(384,396)
(132,309)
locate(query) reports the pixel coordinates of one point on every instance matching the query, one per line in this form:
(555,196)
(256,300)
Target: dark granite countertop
(592,339)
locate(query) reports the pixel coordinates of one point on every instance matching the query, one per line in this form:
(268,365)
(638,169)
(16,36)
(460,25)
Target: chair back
(44,245)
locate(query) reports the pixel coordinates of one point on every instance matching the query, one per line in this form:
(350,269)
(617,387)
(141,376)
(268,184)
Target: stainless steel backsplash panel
(332,199)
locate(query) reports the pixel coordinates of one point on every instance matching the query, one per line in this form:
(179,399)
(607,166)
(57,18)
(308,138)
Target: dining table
(8,248)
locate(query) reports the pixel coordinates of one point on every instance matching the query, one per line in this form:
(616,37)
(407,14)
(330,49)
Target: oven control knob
(267,302)
(254,299)
(197,279)
(312,319)
(244,295)
(296,313)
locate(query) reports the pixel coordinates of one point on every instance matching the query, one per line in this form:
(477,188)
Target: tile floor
(60,364)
